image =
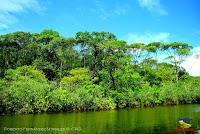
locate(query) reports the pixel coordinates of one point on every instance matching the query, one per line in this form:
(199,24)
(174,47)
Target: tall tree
(17,49)
(92,41)
(46,36)
(114,54)
(46,60)
(136,50)
(177,51)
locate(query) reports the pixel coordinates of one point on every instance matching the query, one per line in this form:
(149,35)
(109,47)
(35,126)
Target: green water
(156,120)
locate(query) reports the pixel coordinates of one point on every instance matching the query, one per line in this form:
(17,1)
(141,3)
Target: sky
(131,20)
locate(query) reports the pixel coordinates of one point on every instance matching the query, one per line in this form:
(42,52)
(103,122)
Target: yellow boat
(183,124)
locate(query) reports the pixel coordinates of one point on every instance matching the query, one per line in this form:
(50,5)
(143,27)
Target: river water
(153,120)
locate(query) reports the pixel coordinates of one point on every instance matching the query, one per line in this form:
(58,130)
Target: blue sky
(131,20)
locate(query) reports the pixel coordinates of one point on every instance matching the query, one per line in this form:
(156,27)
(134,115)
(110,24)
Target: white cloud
(154,6)
(192,63)
(196,50)
(147,37)
(9,9)
(105,11)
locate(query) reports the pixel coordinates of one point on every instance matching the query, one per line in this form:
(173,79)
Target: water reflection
(158,120)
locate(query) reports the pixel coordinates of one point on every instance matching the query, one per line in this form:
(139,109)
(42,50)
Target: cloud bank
(147,37)
(105,11)
(192,63)
(10,8)
(154,6)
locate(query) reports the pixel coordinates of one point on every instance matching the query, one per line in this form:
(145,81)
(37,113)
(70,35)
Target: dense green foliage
(92,71)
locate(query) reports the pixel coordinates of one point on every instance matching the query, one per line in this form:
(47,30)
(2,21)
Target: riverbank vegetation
(41,72)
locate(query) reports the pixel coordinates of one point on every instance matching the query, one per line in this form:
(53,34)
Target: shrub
(148,96)
(77,78)
(27,91)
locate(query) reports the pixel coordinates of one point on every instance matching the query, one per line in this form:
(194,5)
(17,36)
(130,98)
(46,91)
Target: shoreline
(115,109)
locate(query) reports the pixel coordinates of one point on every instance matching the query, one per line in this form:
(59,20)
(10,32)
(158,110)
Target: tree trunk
(112,80)
(61,65)
(94,64)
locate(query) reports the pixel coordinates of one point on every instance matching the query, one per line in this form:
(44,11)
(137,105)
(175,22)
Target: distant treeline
(92,71)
